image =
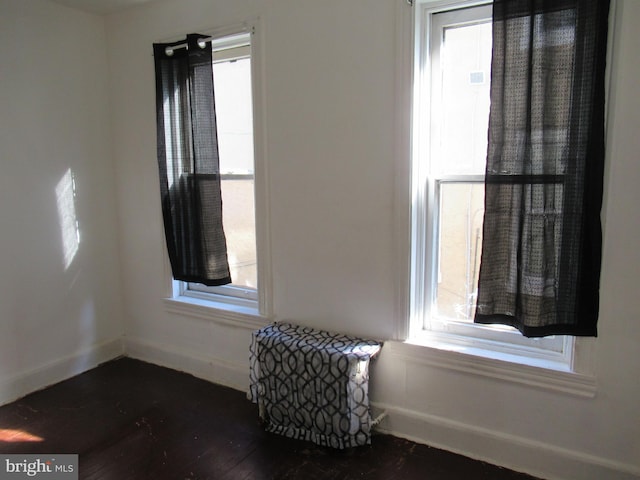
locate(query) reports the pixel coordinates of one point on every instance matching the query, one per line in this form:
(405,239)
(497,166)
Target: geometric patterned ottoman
(312,385)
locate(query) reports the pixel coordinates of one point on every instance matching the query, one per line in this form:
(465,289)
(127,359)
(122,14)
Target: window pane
(234,115)
(461,214)
(235,138)
(464,112)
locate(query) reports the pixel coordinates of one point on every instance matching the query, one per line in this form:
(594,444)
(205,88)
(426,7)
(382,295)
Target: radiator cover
(312,385)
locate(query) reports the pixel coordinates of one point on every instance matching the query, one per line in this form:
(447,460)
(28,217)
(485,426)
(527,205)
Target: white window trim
(226,309)
(577,377)
(212,308)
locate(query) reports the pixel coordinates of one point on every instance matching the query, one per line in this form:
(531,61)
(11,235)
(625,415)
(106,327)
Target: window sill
(223,313)
(542,374)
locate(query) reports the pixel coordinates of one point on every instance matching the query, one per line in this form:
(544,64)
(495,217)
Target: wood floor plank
(132,420)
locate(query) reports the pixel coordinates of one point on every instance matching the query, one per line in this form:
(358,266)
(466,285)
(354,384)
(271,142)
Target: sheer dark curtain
(540,268)
(188,162)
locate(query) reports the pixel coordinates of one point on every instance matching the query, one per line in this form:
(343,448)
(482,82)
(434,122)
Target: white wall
(60,304)
(78,98)
(330,129)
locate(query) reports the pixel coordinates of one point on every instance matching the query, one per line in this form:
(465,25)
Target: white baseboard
(208,368)
(517,453)
(51,373)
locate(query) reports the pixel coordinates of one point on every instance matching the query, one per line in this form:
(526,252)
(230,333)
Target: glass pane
(235,138)
(239,226)
(460,243)
(464,112)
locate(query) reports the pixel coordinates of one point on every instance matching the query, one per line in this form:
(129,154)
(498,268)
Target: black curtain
(541,252)
(188,162)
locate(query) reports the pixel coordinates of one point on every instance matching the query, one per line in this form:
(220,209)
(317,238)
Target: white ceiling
(101,7)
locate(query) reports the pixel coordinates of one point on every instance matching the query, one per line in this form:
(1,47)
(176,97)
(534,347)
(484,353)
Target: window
(234,80)
(451,105)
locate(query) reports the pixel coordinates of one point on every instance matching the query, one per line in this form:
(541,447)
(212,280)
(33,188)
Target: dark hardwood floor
(132,420)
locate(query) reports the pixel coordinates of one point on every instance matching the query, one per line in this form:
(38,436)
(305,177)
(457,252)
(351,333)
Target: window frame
(424,328)
(239,304)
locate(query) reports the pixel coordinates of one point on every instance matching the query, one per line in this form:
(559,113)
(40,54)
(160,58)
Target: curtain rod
(203,41)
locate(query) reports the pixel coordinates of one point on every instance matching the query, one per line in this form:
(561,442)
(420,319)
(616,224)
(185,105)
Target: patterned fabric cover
(312,385)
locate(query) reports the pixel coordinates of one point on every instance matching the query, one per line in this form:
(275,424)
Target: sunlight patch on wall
(66,195)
